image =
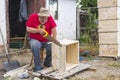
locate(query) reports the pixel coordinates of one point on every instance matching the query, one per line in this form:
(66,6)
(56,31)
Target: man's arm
(54,33)
(34,30)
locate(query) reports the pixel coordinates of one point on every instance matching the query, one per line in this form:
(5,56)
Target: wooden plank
(43,72)
(70,66)
(62,61)
(47,70)
(109,13)
(109,25)
(15,71)
(106,3)
(67,42)
(109,50)
(55,56)
(109,38)
(58,76)
(34,74)
(72,53)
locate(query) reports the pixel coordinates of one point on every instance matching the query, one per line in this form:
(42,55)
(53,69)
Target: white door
(64,12)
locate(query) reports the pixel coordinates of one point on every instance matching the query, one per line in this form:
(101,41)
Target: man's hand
(54,33)
(34,30)
(41,31)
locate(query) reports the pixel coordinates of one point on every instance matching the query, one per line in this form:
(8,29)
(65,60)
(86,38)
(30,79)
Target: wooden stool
(42,56)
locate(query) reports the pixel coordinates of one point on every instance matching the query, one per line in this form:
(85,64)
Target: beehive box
(66,57)
(109,38)
(106,3)
(109,13)
(109,25)
(109,50)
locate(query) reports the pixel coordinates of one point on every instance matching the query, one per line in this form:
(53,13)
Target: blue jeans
(35,47)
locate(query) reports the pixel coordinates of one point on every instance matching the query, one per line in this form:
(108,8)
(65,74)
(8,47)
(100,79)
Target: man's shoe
(47,65)
(35,70)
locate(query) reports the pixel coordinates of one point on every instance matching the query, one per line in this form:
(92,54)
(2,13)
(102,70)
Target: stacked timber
(109,28)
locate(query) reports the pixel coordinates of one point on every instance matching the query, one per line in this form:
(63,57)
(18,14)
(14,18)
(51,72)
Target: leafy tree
(90,6)
(88,3)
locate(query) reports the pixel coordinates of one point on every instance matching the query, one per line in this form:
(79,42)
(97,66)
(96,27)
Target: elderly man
(36,24)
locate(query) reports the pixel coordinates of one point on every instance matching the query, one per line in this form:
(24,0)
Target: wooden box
(108,3)
(109,38)
(109,13)
(109,25)
(109,50)
(65,57)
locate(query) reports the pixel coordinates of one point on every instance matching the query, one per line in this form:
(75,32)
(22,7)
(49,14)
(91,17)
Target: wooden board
(62,59)
(72,53)
(55,56)
(15,71)
(106,3)
(109,25)
(109,50)
(109,13)
(109,38)
(58,57)
(56,75)
(59,76)
(67,42)
(70,66)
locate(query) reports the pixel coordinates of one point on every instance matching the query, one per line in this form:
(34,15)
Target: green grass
(115,64)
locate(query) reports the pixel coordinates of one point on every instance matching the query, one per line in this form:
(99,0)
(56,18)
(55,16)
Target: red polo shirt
(33,22)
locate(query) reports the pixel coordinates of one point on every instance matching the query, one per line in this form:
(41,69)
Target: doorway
(17,28)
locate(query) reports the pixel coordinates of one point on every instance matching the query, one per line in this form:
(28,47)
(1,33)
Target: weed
(115,64)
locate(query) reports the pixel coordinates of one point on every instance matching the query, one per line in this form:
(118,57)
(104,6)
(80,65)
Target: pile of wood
(109,31)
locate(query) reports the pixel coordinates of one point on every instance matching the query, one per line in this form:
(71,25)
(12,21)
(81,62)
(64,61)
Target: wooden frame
(65,57)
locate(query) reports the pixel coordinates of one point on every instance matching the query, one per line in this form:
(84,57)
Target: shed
(64,12)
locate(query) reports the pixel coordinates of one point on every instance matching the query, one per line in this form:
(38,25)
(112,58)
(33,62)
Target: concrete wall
(66,23)
(66,19)
(3,20)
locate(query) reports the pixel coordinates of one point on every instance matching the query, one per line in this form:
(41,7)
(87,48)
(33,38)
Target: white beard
(43,22)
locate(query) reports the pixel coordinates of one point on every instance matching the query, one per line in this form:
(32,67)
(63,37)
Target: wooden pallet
(55,74)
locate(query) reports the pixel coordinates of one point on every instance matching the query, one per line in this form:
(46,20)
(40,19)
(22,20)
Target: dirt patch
(104,68)
(23,59)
